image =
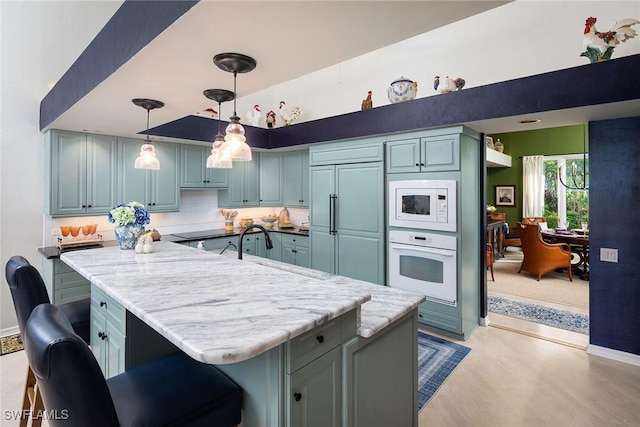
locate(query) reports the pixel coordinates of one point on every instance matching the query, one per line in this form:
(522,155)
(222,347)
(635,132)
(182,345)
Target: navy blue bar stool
(174,390)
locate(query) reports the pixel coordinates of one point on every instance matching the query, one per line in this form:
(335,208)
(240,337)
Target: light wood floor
(508,379)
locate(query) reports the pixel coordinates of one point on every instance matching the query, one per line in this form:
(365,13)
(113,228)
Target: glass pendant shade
(147,158)
(217,159)
(235,147)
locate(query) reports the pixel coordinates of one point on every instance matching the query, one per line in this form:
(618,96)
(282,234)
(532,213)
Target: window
(562,205)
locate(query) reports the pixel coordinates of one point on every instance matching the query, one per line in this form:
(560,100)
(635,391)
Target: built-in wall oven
(424,263)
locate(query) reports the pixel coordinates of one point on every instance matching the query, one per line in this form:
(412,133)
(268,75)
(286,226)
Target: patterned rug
(10,344)
(437,359)
(562,319)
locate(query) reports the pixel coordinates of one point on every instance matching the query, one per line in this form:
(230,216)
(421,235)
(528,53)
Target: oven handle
(332,214)
(444,253)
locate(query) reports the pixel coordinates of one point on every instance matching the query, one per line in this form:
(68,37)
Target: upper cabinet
(296,178)
(423,154)
(243,191)
(271,177)
(80,173)
(158,190)
(195,174)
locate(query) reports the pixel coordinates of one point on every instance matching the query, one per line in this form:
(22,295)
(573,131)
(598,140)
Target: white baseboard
(9,331)
(484,321)
(609,353)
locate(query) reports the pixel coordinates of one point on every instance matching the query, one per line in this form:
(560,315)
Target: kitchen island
(303,345)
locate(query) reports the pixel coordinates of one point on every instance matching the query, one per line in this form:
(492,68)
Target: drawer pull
(103,303)
(102,336)
(297,396)
(320,338)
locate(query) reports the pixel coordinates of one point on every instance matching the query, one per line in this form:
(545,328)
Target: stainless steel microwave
(423,204)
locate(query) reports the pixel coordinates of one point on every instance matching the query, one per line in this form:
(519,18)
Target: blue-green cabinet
(63,283)
(274,253)
(295,191)
(271,179)
(158,190)
(413,153)
(243,188)
(80,173)
(347,210)
(108,333)
(295,250)
(194,172)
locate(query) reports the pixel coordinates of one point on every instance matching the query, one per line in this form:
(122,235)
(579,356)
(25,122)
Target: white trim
(609,353)
(9,331)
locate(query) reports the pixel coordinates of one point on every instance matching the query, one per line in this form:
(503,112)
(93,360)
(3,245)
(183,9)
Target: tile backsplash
(198,211)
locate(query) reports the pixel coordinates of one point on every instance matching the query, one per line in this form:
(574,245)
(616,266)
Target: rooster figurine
(254,115)
(367,103)
(599,45)
(288,117)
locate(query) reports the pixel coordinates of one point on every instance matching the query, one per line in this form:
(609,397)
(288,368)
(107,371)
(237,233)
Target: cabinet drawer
(63,296)
(313,344)
(114,312)
(70,280)
(292,239)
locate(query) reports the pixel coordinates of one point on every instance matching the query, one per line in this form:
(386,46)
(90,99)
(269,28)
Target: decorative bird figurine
(288,117)
(367,103)
(271,119)
(212,111)
(447,84)
(599,45)
(254,115)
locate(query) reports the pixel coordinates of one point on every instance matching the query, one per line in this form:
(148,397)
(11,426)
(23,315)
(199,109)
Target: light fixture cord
(148,124)
(219,115)
(235,94)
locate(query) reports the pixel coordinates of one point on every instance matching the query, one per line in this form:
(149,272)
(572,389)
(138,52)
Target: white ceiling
(288,39)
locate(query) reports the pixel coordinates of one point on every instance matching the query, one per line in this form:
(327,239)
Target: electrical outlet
(608,255)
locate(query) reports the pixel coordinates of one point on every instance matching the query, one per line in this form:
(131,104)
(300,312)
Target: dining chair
(174,390)
(489,256)
(541,257)
(28,291)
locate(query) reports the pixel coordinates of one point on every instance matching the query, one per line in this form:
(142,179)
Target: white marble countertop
(219,309)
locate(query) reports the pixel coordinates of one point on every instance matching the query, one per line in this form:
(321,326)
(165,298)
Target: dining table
(578,241)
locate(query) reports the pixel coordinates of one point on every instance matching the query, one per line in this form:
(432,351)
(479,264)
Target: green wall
(547,142)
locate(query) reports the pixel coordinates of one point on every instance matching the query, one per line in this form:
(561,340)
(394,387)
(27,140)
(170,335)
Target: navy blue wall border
(589,84)
(614,291)
(130,29)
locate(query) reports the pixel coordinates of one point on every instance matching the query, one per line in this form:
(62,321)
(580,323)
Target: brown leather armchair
(489,254)
(512,238)
(541,257)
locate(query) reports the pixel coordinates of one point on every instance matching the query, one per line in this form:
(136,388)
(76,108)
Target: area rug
(562,319)
(10,344)
(437,359)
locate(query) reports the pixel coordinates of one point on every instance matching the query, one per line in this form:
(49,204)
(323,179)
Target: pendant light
(216,160)
(235,146)
(573,174)
(147,158)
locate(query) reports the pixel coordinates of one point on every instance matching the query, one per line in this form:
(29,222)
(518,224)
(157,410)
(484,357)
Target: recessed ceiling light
(529,121)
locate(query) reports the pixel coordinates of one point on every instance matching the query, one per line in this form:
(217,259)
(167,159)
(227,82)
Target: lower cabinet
(295,250)
(315,392)
(63,283)
(108,328)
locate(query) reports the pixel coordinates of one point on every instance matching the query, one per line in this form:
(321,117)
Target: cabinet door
(193,166)
(403,156)
(321,216)
(288,253)
(165,183)
(67,173)
(217,178)
(440,153)
(115,351)
(360,221)
(243,185)
(296,178)
(252,181)
(133,183)
(249,244)
(101,173)
(96,341)
(276,252)
(315,392)
(303,256)
(271,173)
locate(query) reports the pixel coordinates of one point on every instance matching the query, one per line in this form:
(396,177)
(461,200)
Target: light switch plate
(608,255)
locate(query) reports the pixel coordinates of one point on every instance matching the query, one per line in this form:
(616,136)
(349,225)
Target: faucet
(267,239)
(227,247)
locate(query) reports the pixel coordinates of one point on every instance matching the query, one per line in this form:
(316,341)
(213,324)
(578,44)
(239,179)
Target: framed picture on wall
(505,195)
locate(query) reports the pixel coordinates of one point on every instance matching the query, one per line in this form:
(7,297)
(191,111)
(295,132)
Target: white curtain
(533,186)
